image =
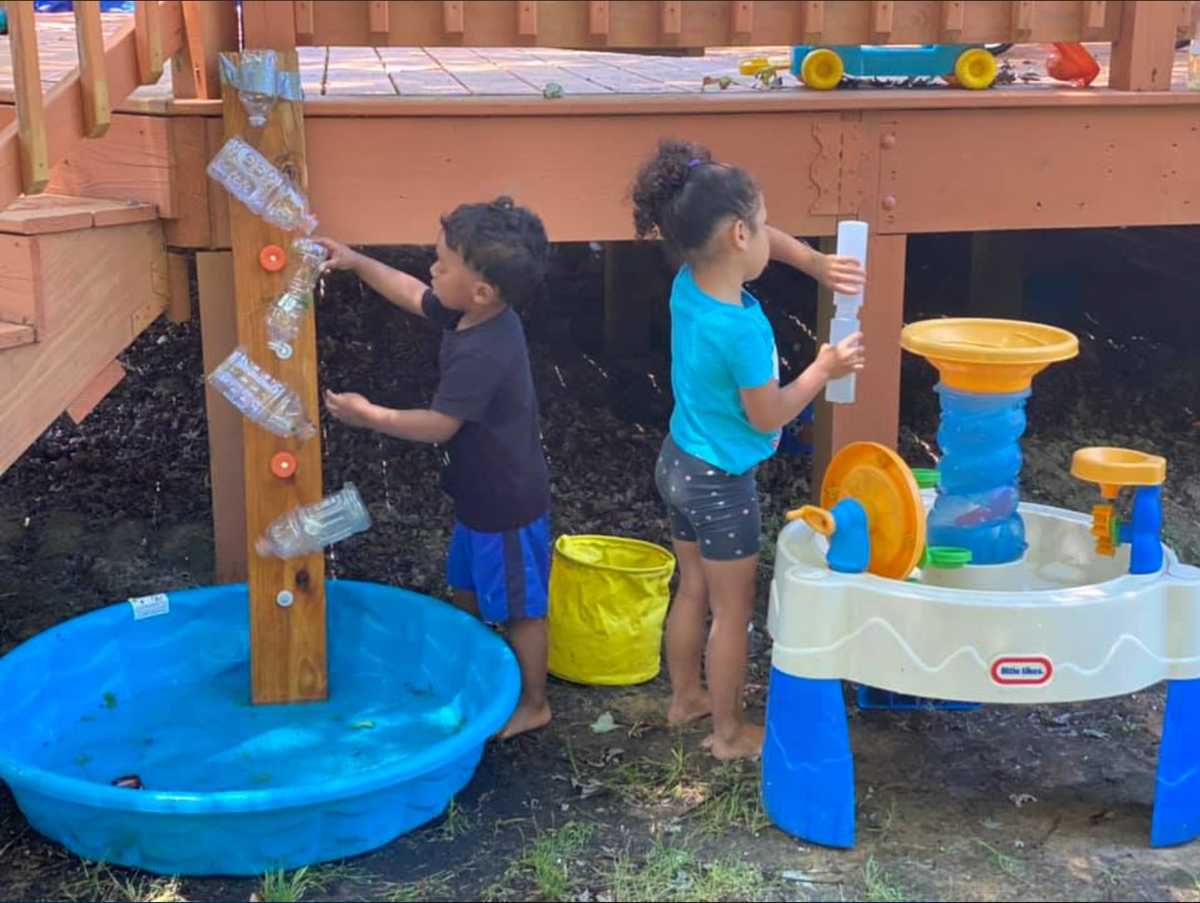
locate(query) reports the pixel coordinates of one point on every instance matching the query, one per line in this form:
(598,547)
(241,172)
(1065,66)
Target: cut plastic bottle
(261,397)
(851,242)
(311,527)
(250,177)
(287,314)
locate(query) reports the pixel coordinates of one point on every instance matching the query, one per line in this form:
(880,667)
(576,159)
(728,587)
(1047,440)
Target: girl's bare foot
(527,717)
(689,708)
(747,743)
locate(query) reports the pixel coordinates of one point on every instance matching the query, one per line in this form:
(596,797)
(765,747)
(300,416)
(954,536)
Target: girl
(729,410)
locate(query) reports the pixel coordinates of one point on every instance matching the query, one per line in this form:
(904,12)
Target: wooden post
(881,21)
(306,24)
(875,414)
(179,278)
(636,279)
(148,21)
(1144,53)
(813,19)
(379,21)
(288,650)
(742,18)
(670,18)
(952,20)
(453,17)
(93,77)
(1022,20)
(598,18)
(268,25)
(27,83)
(218,332)
(210,29)
(997,274)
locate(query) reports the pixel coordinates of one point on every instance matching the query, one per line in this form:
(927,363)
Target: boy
(489,257)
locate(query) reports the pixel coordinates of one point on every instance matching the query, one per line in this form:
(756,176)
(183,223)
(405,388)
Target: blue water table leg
(1177,787)
(808,769)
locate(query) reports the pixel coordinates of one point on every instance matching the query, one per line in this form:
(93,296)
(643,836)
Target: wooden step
(14,335)
(45,214)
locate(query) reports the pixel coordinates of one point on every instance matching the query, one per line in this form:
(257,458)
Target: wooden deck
(341,73)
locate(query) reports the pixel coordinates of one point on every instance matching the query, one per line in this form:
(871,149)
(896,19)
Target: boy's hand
(340,256)
(843,275)
(846,357)
(350,408)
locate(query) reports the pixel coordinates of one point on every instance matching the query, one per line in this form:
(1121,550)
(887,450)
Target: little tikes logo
(1022,670)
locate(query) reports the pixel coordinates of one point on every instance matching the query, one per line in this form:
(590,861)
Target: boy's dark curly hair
(681,195)
(503,243)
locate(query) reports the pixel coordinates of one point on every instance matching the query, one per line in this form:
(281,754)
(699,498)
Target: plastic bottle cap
(283,465)
(926,477)
(272,258)
(284,599)
(947,557)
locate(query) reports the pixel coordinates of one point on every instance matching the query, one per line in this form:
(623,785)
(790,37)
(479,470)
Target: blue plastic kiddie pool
(416,689)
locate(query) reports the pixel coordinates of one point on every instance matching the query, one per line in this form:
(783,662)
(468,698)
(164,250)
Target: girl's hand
(340,256)
(350,408)
(846,357)
(843,275)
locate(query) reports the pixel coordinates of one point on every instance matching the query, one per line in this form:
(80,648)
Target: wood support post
(1144,53)
(288,649)
(27,83)
(875,414)
(268,25)
(93,75)
(218,330)
(210,29)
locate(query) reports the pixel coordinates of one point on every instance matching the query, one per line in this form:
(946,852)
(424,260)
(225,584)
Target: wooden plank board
(209,29)
(27,83)
(14,335)
(95,392)
(137,161)
(192,227)
(288,649)
(46,214)
(218,331)
(875,414)
(271,24)
(93,79)
(179,309)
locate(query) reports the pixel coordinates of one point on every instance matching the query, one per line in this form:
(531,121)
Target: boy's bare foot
(690,708)
(526,718)
(747,743)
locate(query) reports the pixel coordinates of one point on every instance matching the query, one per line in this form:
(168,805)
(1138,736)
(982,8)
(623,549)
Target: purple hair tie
(692,164)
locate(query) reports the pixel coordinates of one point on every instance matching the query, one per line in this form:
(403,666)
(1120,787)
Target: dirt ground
(1014,803)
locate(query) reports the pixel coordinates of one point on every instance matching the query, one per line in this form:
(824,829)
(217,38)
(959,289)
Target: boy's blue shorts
(509,572)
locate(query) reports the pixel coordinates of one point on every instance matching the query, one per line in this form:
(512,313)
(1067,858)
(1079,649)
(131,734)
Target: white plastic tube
(851,242)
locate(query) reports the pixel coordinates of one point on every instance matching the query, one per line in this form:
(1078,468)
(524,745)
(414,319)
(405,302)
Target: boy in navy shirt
(485,412)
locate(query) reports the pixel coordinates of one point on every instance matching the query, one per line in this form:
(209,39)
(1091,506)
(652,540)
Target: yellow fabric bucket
(608,600)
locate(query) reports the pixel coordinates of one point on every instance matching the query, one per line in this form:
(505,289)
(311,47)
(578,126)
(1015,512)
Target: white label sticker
(150,606)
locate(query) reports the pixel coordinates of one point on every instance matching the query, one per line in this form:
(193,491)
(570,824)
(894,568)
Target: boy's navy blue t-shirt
(497,474)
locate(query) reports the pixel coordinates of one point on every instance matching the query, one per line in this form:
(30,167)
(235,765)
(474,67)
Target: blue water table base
(416,689)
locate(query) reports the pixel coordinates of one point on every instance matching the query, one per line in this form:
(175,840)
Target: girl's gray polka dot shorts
(716,510)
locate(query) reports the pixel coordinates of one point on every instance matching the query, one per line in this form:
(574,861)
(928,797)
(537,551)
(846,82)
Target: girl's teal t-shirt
(717,350)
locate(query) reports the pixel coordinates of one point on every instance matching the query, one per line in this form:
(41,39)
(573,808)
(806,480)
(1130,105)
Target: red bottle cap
(283,465)
(272,258)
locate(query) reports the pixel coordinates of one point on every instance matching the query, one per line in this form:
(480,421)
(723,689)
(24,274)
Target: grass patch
(880,888)
(456,822)
(674,874)
(733,801)
(649,780)
(1008,865)
(97,882)
(551,862)
(417,891)
(291,887)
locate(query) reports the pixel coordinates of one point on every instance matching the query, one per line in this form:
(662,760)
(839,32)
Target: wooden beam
(179,309)
(453,17)
(742,17)
(1144,53)
(875,414)
(306,26)
(288,648)
(953,12)
(882,12)
(27,84)
(148,23)
(378,20)
(598,17)
(209,30)
(96,391)
(1022,20)
(227,477)
(93,79)
(670,18)
(527,18)
(1189,20)
(812,21)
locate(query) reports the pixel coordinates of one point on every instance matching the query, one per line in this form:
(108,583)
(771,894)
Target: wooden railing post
(1144,54)
(210,28)
(93,77)
(27,80)
(148,21)
(268,24)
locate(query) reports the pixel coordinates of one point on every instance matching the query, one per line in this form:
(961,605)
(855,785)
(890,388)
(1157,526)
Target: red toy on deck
(1072,63)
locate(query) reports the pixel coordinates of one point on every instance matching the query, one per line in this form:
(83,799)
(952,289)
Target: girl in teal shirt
(729,410)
